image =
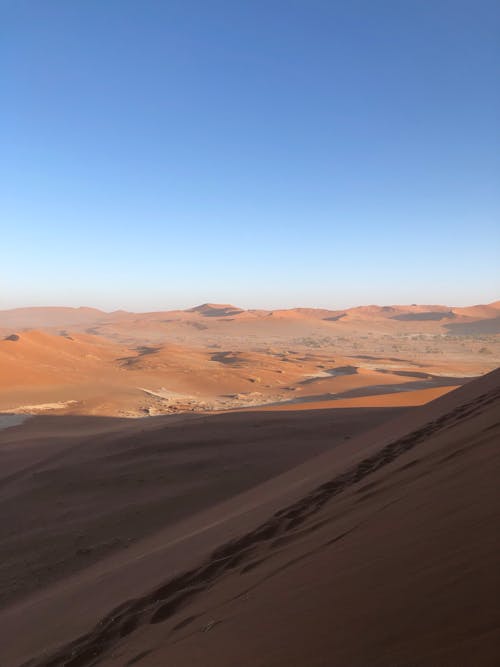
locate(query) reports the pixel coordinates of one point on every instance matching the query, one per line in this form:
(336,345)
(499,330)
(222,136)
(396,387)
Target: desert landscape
(250,333)
(219,357)
(190,461)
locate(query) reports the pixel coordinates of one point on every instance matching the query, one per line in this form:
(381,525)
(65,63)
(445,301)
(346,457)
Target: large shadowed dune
(76,489)
(382,551)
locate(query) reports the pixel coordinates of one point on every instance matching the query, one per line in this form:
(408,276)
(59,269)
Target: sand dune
(216,310)
(381,551)
(218,356)
(52,317)
(480,312)
(38,317)
(91,374)
(98,508)
(35,357)
(106,488)
(79,492)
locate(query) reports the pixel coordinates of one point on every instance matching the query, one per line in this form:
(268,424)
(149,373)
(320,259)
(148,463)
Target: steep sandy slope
(381,552)
(75,489)
(39,358)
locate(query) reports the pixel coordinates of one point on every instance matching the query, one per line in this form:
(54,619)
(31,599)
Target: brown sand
(382,551)
(372,400)
(77,489)
(219,357)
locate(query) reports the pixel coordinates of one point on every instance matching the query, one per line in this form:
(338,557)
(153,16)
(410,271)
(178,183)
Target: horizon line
(250,309)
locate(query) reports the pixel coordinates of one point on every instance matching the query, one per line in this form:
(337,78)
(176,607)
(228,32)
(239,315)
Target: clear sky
(272,153)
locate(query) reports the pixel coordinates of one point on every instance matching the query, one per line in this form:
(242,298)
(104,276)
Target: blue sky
(268,153)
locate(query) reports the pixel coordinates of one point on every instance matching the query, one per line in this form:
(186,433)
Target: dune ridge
(219,356)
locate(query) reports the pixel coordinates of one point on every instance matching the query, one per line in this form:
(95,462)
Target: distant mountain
(454,319)
(216,310)
(51,316)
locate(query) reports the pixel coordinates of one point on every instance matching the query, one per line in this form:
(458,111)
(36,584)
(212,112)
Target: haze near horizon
(278,154)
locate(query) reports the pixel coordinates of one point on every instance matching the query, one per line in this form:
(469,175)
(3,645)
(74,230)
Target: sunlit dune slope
(35,357)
